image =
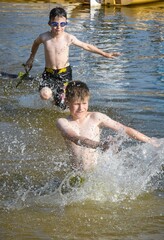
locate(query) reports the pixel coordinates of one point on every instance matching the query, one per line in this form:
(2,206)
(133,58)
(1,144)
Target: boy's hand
(105,146)
(112,55)
(155,142)
(28,65)
(107,143)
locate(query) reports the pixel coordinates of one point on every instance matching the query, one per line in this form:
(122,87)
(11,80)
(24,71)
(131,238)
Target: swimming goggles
(56,24)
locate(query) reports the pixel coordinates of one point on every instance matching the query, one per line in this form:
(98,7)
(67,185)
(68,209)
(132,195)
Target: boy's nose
(80,106)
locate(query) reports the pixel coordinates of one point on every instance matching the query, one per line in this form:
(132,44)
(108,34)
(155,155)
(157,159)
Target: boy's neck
(53,34)
(80,118)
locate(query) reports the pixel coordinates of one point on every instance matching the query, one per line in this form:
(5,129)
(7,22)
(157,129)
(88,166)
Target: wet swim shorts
(57,81)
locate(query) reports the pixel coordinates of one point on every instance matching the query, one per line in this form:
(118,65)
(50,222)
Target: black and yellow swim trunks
(57,81)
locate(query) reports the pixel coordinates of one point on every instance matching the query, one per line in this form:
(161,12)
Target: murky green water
(123,198)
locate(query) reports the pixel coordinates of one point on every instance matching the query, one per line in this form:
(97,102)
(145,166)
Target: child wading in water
(56,43)
(81,129)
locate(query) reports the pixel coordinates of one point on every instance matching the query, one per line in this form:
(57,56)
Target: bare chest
(56,46)
(87,130)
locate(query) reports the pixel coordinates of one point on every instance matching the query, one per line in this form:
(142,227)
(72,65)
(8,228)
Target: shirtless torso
(83,157)
(56,49)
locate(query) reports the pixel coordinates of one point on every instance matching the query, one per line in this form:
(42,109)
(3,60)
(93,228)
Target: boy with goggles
(56,43)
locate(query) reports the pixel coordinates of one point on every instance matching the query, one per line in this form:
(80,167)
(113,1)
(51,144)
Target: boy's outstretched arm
(141,137)
(35,46)
(93,49)
(110,123)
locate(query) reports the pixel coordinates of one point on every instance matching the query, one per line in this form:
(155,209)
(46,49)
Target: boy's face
(78,108)
(58,24)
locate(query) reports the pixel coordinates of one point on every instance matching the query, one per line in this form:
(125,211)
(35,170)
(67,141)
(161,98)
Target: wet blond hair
(76,90)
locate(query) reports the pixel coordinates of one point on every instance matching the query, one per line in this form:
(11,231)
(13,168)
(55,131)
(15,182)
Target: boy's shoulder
(97,115)
(70,37)
(45,35)
(62,121)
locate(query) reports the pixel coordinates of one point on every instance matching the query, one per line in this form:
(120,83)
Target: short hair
(76,90)
(57,12)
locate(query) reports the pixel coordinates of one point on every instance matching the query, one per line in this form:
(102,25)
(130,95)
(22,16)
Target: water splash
(128,173)
(133,171)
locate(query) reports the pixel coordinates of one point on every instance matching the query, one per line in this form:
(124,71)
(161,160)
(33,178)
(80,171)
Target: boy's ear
(49,22)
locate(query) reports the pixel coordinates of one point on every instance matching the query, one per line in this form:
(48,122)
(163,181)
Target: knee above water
(46,93)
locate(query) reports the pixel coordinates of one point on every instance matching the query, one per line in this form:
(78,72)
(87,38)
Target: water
(123,197)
